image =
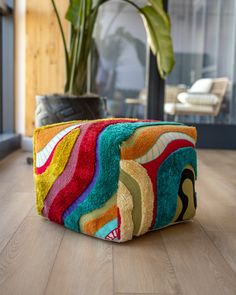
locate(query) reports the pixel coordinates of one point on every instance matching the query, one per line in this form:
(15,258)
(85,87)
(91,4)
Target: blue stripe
(106,229)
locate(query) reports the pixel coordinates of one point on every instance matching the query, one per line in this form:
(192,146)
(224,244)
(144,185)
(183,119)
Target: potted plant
(77,102)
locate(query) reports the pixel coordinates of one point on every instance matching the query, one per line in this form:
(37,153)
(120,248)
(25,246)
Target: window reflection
(121,60)
(201,88)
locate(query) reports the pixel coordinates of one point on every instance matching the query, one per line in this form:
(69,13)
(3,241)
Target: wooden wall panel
(45,71)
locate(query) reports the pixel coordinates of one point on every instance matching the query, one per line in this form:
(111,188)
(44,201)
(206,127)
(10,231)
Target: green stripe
(135,191)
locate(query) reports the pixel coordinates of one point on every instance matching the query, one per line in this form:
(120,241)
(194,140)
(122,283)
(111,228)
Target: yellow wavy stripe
(60,158)
(147,196)
(96,213)
(144,138)
(178,209)
(125,205)
(188,191)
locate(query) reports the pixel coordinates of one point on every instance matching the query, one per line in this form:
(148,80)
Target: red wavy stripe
(153,166)
(84,172)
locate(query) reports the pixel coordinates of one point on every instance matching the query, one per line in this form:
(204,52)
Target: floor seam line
(13,234)
(53,264)
(168,255)
(215,246)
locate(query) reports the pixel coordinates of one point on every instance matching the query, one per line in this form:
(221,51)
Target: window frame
(7,70)
(1,92)
(9,141)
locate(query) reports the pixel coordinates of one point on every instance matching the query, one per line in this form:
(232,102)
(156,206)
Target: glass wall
(204,36)
(120,59)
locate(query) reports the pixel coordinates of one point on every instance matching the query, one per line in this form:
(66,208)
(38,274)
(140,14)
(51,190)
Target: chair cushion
(186,109)
(115,178)
(198,99)
(201,86)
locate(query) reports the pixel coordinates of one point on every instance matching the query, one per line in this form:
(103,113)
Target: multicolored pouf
(115,178)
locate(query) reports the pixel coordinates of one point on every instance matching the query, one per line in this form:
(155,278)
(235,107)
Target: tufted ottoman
(115,178)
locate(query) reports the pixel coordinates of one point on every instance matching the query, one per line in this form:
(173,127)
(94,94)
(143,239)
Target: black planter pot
(57,108)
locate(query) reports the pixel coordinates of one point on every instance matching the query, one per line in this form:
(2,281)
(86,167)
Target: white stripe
(161,144)
(43,155)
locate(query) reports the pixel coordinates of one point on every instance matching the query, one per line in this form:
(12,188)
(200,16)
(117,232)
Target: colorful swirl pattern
(115,178)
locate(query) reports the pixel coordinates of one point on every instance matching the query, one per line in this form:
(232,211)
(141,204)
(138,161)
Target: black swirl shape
(187,174)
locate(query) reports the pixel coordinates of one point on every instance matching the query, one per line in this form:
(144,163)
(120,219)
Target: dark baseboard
(8,144)
(216,136)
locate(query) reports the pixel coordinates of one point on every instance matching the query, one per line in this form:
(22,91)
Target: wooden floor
(39,257)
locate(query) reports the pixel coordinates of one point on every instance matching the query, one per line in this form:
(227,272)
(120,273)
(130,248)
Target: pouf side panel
(164,141)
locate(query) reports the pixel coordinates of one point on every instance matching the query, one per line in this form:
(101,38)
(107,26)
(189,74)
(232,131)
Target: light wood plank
(143,294)
(216,199)
(25,181)
(5,186)
(14,208)
(199,266)
(26,262)
(143,266)
(83,266)
(226,243)
(13,167)
(15,174)
(219,161)
(209,175)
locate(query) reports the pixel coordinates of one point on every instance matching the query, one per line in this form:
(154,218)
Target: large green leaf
(76,11)
(157,25)
(73,12)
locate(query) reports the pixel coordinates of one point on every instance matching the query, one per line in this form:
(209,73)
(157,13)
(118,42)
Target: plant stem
(79,41)
(88,90)
(63,36)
